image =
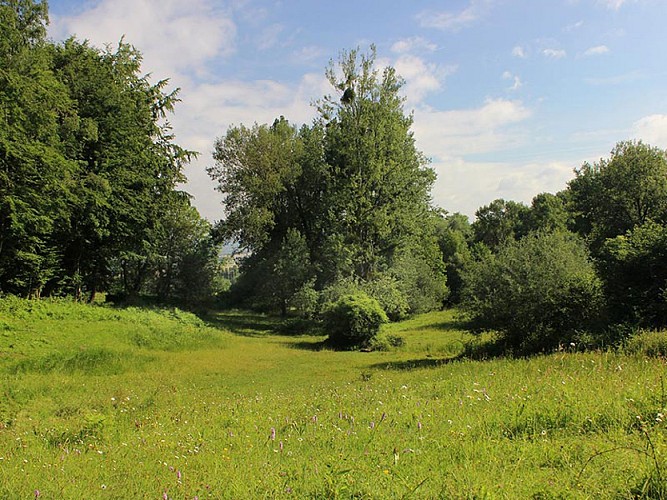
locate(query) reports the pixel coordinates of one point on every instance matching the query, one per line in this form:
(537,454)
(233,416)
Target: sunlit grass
(223,407)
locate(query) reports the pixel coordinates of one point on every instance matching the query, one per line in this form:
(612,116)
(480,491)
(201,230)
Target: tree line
(335,216)
(89,172)
(340,209)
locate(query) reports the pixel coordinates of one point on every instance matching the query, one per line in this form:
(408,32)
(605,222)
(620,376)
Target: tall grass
(237,411)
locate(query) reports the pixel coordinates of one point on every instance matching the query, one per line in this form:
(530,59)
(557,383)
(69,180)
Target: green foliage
(634,269)
(499,222)
(335,206)
(614,195)
(647,343)
(353,321)
(387,291)
(87,161)
(538,292)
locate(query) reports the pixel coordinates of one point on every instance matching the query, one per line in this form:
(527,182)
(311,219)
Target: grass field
(98,402)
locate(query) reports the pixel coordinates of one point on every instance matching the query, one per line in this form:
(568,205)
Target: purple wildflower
(273,434)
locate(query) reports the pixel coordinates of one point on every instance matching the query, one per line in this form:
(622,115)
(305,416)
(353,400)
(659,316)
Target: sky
(508,96)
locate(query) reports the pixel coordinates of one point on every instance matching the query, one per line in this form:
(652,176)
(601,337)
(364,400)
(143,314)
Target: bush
(634,270)
(354,320)
(537,293)
(652,344)
(386,290)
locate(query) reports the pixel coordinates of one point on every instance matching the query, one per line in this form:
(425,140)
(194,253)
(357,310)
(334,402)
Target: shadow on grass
(472,351)
(306,345)
(246,324)
(453,324)
(415,364)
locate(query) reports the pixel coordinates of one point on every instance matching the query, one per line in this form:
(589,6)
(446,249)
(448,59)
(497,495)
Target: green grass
(98,402)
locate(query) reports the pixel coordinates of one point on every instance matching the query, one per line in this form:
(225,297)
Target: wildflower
(281,446)
(37,494)
(164,496)
(419,425)
(383,417)
(273,434)
(372,425)
(178,475)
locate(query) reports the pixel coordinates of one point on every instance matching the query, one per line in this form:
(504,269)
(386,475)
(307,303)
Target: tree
(548,212)
(352,185)
(36,114)
(453,233)
(500,221)
(633,267)
(537,292)
(380,182)
(128,165)
(614,195)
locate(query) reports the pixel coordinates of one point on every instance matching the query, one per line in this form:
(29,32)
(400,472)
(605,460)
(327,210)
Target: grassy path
(99,403)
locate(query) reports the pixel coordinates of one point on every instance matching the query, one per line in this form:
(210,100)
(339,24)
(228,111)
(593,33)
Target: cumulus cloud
(454,21)
(597,50)
(464,186)
(554,53)
(174,37)
(652,129)
(413,44)
(457,133)
(421,77)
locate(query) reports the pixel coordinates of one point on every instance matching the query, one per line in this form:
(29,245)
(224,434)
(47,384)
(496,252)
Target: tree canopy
(351,185)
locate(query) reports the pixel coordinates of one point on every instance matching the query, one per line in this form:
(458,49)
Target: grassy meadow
(97,402)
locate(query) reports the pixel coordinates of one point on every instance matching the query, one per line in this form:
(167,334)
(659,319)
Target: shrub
(386,290)
(634,270)
(653,344)
(537,293)
(354,320)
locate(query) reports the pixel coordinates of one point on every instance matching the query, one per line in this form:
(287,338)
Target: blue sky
(508,96)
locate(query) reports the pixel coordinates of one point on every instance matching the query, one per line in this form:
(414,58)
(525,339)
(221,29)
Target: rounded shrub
(353,320)
(537,293)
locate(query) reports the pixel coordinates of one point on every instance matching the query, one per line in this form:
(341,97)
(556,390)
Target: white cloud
(464,186)
(413,44)
(457,133)
(519,52)
(517,84)
(652,129)
(174,37)
(554,53)
(451,21)
(597,50)
(421,77)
